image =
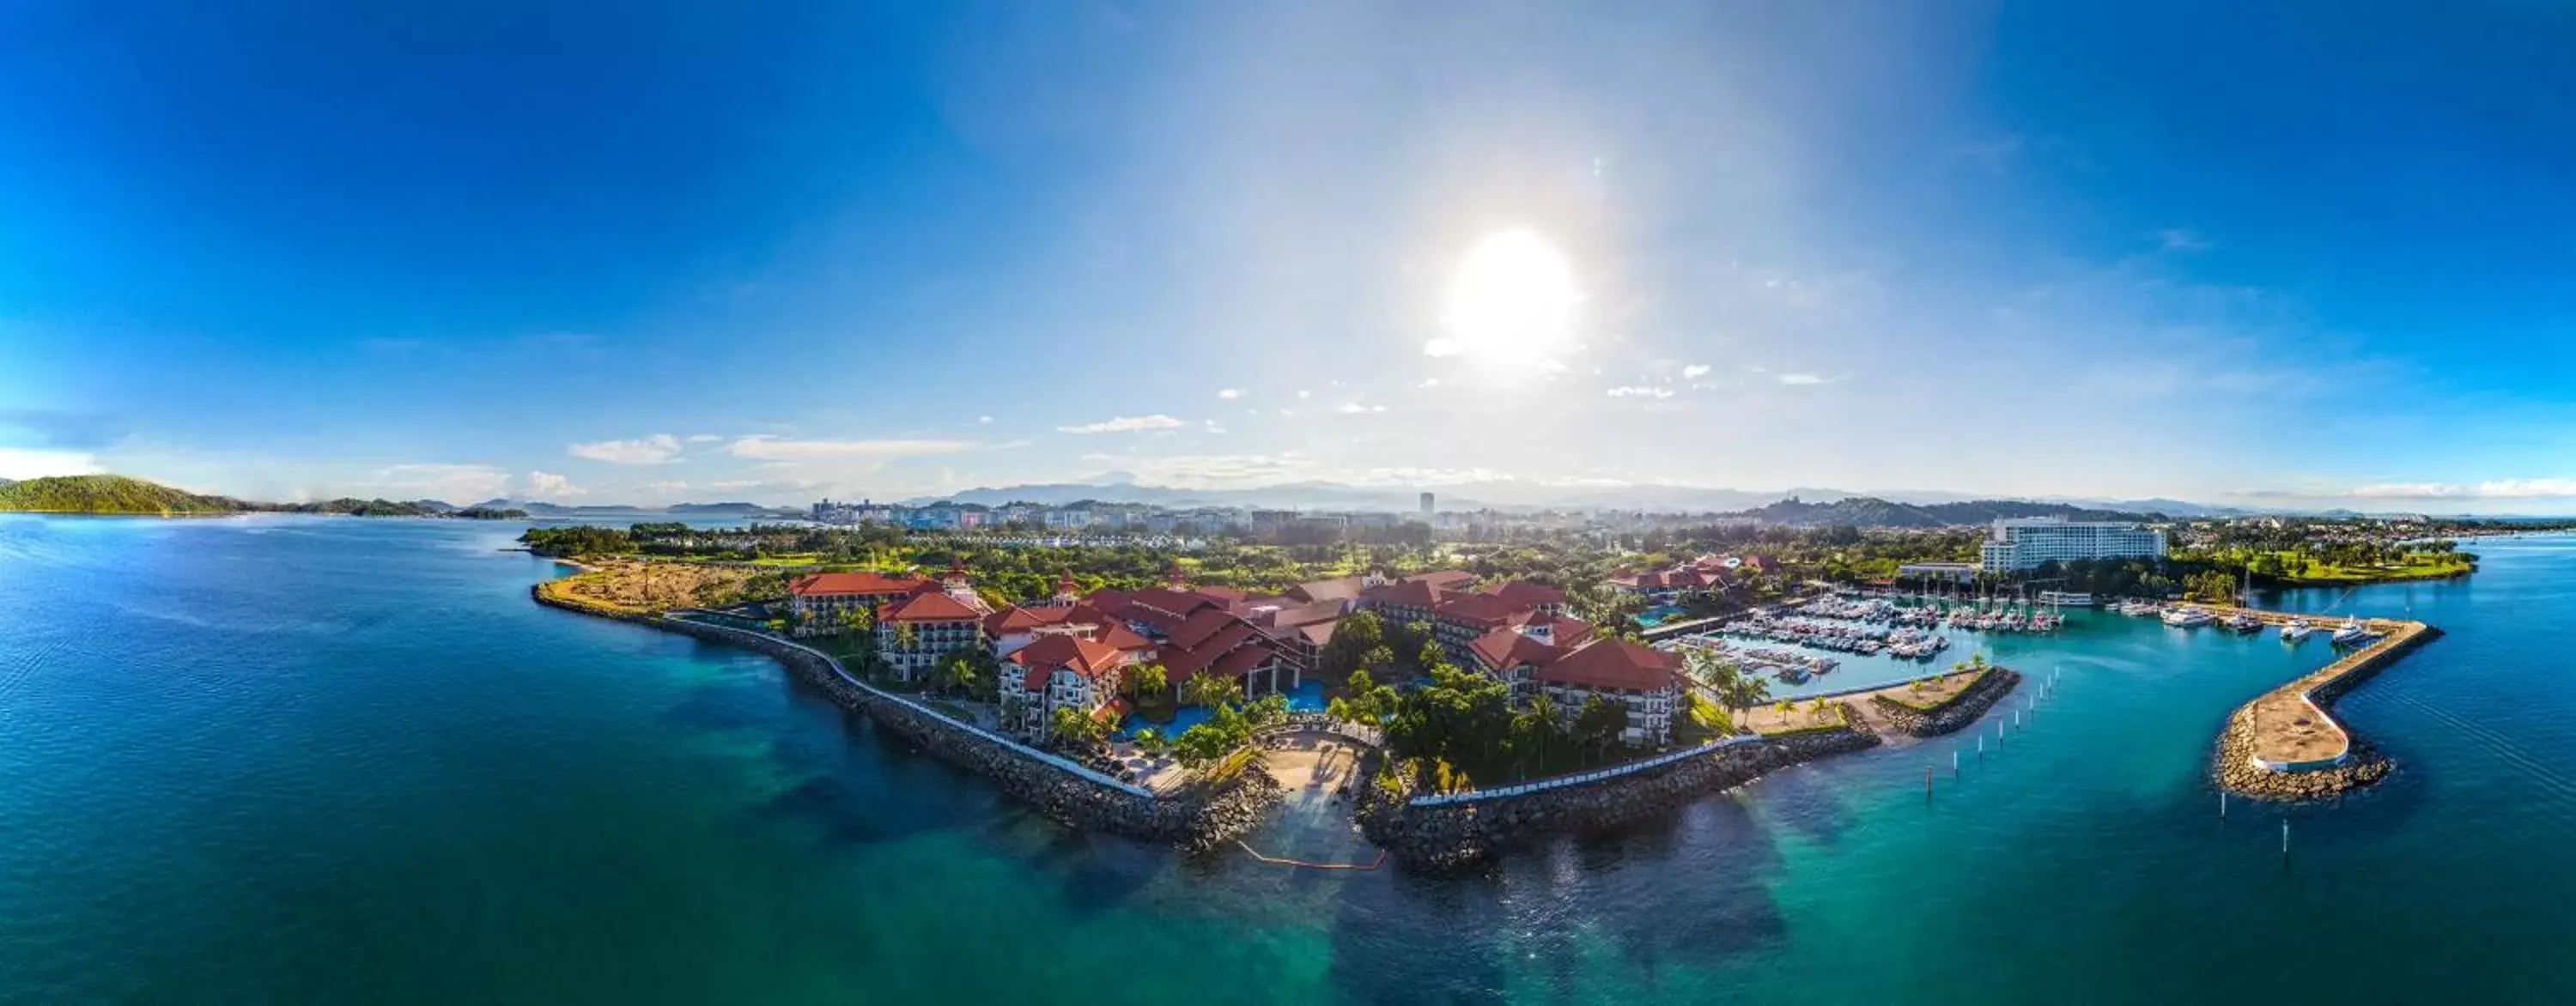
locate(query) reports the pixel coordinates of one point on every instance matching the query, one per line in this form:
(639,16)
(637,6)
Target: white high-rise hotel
(2018,544)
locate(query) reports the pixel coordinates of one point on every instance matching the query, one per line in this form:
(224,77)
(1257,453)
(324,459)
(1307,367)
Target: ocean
(333,760)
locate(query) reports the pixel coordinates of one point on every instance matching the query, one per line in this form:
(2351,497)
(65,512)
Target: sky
(2294,255)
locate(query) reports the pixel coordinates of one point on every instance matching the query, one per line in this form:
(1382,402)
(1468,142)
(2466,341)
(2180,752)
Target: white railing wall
(1051,760)
(1596,775)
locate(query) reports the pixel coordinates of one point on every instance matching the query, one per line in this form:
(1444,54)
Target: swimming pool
(1305,698)
(1652,617)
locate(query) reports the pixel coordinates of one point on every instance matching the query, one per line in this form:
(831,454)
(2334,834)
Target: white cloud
(768,448)
(1214,427)
(536,484)
(981,420)
(1429,382)
(1351,408)
(453,483)
(1126,424)
(1229,394)
(1804,380)
(1639,391)
(2492,489)
(1305,394)
(2181,239)
(667,487)
(37,463)
(704,438)
(1694,371)
(1442,346)
(658,449)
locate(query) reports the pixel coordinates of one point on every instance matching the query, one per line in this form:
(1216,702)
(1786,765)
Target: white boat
(2066,598)
(2352,634)
(2295,630)
(2185,618)
(2242,622)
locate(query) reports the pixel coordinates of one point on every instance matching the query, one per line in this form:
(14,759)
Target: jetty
(2285,744)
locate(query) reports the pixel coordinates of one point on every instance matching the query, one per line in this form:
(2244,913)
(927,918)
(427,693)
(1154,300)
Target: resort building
(820,601)
(1062,672)
(1702,576)
(1541,658)
(2017,544)
(916,632)
(1952,572)
(1459,615)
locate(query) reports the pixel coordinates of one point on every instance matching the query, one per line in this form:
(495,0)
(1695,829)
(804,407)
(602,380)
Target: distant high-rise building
(2024,543)
(1426,504)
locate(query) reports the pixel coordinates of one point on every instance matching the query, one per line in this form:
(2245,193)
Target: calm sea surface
(293,759)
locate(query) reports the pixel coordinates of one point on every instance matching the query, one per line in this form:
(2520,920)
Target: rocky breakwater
(1447,836)
(2286,744)
(1194,818)
(1952,715)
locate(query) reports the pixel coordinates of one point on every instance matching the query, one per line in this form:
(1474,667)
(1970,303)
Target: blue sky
(2290,255)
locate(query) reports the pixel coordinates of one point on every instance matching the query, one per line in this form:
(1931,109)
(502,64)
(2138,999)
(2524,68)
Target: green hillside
(106,494)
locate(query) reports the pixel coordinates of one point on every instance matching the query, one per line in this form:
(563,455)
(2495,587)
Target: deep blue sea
(336,760)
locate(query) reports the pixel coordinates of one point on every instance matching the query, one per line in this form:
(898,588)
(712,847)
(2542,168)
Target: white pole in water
(2285,838)
(1954,762)
(1981,745)
(2222,805)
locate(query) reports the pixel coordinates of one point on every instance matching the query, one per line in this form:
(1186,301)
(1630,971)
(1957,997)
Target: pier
(2286,743)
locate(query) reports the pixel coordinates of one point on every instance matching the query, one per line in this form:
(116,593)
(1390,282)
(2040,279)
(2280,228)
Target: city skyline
(698,255)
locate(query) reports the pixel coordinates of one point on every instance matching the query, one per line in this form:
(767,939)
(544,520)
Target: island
(125,495)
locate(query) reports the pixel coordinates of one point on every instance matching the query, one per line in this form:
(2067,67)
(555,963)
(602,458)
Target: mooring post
(1954,762)
(2285,838)
(2222,805)
(1981,745)
(1927,782)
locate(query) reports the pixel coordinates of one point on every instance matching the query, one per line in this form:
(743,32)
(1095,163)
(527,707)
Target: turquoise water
(336,760)
(1652,617)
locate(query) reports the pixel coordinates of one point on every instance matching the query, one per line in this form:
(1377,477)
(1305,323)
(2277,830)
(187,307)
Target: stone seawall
(1451,836)
(2238,763)
(1194,819)
(1955,715)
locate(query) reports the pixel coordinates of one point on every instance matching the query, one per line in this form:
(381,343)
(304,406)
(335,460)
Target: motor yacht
(2185,618)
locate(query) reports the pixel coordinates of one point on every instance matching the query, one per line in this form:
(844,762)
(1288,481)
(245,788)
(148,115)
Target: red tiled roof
(1527,593)
(1447,579)
(1613,663)
(1053,652)
(864,583)
(1123,638)
(1485,610)
(1205,623)
(1503,649)
(1018,619)
(934,606)
(1342,589)
(1240,660)
(1410,594)
(1177,602)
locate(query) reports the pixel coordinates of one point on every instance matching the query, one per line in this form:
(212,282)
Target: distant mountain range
(537,508)
(119,494)
(1515,496)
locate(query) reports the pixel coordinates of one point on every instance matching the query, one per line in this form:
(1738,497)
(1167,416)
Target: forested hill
(107,494)
(1870,511)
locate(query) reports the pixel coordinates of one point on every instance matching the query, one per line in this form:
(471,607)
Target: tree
(1538,723)
(1355,638)
(1363,700)
(1144,680)
(1601,722)
(1212,691)
(1073,730)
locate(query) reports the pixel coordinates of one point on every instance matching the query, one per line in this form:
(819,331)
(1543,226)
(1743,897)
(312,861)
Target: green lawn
(2418,566)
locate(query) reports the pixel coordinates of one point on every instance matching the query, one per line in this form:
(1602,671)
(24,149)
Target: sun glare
(1511,306)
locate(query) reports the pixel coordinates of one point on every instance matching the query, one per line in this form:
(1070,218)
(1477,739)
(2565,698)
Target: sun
(1511,306)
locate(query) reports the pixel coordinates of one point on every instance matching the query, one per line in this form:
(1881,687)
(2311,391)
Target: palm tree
(1543,711)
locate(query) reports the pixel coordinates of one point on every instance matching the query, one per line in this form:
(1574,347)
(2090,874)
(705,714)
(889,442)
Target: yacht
(2295,630)
(2184,618)
(2242,622)
(2066,598)
(2352,634)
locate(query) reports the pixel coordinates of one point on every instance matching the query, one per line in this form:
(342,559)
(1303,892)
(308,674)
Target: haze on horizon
(2278,257)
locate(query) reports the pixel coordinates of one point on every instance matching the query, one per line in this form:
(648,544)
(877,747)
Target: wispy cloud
(1805,380)
(1694,371)
(1355,409)
(1640,391)
(38,462)
(2500,489)
(1229,394)
(769,448)
(1125,424)
(658,449)
(2181,239)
